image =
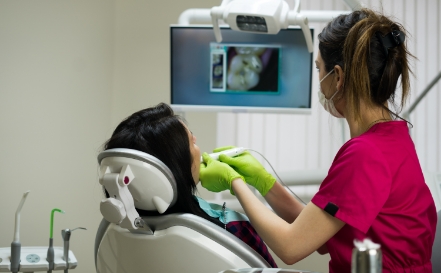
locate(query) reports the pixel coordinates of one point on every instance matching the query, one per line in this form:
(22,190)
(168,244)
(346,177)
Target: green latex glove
(216,176)
(251,169)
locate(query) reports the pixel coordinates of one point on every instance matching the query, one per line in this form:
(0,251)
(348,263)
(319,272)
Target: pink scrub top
(375,185)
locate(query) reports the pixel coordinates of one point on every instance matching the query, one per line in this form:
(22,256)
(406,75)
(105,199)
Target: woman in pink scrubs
(375,187)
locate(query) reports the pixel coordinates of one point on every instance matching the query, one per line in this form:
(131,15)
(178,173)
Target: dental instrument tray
(33,259)
(37,258)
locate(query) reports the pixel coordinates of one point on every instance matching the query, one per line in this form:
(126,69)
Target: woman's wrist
(236,183)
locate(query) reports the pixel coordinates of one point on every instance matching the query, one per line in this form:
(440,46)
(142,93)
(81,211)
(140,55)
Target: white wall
(55,97)
(142,60)
(71,70)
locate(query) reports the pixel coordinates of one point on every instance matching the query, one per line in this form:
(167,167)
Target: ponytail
(371,66)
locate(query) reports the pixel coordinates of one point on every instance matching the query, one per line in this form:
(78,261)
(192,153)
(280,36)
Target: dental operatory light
(263,16)
(259,16)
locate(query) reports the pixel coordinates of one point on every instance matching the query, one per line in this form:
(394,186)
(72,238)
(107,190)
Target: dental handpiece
(230,152)
(65,233)
(16,245)
(50,257)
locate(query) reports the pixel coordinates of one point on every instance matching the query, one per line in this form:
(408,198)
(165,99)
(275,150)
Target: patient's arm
(283,203)
(245,231)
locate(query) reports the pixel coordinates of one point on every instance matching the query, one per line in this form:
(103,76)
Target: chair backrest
(168,243)
(179,243)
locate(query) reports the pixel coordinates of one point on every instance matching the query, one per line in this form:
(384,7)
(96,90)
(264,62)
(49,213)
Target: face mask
(328,104)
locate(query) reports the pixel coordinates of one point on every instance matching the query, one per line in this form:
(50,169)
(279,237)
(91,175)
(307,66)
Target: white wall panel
(410,25)
(293,142)
(243,125)
(270,133)
(419,119)
(438,91)
(422,78)
(257,136)
(226,129)
(292,154)
(311,139)
(432,145)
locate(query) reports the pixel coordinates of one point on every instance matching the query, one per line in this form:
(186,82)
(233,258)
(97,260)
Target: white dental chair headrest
(134,178)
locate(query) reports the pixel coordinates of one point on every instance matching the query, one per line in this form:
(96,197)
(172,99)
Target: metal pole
(421,96)
(354,4)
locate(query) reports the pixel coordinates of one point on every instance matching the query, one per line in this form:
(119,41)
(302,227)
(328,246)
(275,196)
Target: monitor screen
(246,72)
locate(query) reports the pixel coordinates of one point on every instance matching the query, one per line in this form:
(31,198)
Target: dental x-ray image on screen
(246,72)
(244,68)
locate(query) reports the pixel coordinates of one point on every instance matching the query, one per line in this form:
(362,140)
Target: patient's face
(196,155)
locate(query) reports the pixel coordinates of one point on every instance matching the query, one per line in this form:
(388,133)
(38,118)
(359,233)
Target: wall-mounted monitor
(246,72)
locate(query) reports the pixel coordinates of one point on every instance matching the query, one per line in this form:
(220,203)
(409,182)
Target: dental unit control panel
(37,258)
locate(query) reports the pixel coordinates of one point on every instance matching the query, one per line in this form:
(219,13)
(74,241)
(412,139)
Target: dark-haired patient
(164,135)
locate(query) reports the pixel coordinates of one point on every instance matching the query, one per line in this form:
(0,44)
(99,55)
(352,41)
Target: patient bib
(224,215)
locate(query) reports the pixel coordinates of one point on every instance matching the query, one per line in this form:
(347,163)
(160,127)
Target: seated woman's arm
(245,231)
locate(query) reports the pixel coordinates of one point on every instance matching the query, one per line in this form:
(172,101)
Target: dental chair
(126,242)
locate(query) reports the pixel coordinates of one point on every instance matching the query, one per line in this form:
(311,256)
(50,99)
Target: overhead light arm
(299,19)
(261,16)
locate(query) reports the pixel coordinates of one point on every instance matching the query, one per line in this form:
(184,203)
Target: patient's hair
(160,133)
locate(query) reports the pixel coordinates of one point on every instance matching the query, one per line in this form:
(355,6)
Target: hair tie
(391,40)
